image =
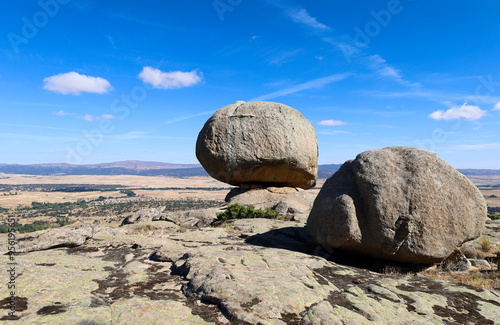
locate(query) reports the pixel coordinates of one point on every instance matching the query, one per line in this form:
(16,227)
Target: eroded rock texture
(254,271)
(398,203)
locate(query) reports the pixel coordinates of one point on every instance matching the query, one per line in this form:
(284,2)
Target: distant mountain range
(128,167)
(153,168)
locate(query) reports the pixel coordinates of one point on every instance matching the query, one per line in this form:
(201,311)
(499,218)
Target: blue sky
(100,81)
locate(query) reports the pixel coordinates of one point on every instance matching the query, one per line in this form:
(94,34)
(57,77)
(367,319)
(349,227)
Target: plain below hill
(154,168)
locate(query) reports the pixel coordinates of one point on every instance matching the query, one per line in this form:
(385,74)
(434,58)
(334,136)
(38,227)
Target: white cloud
(332,122)
(300,15)
(169,80)
(62,113)
(316,83)
(75,83)
(468,112)
(497,107)
(88,118)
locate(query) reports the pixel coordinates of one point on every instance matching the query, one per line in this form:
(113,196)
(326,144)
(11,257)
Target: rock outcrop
(398,203)
(259,143)
(144,215)
(254,271)
(188,219)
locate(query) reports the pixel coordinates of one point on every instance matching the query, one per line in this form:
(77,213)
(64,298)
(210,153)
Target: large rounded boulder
(398,203)
(263,143)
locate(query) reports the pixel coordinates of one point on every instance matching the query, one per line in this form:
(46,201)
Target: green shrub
(493,217)
(129,193)
(236,211)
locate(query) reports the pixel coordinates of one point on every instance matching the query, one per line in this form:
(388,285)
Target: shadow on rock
(296,239)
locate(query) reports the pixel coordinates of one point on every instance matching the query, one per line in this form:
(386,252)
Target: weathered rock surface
(259,143)
(254,271)
(398,203)
(143,215)
(70,236)
(290,202)
(188,219)
(191,219)
(456,262)
(52,238)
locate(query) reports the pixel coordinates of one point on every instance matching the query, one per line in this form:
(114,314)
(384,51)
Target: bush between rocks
(236,211)
(493,217)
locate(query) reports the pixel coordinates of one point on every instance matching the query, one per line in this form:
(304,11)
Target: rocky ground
(254,271)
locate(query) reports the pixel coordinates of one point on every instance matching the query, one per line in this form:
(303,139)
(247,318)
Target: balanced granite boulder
(262,143)
(398,203)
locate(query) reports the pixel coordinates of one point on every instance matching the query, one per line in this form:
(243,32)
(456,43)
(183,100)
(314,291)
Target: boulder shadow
(296,239)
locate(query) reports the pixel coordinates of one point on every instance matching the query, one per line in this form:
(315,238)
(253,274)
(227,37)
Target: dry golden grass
(131,181)
(25,198)
(492,202)
(127,180)
(485,180)
(486,244)
(477,278)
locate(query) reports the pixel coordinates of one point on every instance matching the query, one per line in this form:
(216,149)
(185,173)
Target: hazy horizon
(180,164)
(88,82)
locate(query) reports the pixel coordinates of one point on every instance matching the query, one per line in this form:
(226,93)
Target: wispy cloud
(300,15)
(142,135)
(109,117)
(385,126)
(62,113)
(187,117)
(481,99)
(380,66)
(348,46)
(332,122)
(316,83)
(478,146)
(468,112)
(36,138)
(332,132)
(91,118)
(75,83)
(497,107)
(40,104)
(169,80)
(39,127)
(130,135)
(284,56)
(443,97)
